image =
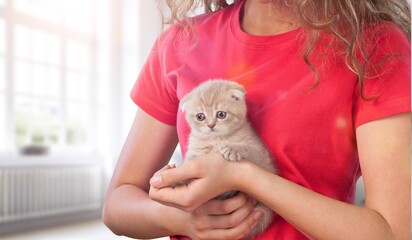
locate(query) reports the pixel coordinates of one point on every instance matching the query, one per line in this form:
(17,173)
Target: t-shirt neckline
(254,40)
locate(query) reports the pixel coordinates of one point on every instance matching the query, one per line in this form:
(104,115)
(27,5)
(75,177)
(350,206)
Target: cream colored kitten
(216,112)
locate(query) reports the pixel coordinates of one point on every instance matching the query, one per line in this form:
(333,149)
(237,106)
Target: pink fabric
(310,132)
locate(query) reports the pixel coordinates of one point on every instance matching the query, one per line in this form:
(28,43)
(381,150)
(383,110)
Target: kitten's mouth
(215,132)
(211,131)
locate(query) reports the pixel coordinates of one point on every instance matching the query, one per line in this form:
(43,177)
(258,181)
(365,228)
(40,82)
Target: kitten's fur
(216,112)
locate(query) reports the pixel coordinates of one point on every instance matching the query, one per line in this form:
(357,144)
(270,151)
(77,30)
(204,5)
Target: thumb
(170,177)
(156,181)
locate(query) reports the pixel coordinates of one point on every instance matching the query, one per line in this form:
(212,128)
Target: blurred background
(66,71)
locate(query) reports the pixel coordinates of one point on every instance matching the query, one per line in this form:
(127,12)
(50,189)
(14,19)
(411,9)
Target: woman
(328,91)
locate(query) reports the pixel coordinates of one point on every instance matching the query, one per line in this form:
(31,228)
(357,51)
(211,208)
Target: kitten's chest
(200,146)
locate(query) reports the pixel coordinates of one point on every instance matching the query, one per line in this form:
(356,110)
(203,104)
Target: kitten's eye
(200,117)
(221,115)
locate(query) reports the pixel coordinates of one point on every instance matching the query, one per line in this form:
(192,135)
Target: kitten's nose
(211,125)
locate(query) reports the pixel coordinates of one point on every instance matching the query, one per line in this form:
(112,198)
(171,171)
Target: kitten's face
(215,108)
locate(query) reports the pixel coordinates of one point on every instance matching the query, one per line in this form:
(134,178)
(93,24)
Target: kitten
(216,112)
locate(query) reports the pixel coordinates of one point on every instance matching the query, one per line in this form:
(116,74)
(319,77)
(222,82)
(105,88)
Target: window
(48,96)
(36,87)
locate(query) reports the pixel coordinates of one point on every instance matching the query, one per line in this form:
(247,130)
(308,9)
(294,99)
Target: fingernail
(257,215)
(156,181)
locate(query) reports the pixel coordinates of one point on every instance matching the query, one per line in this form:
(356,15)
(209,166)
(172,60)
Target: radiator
(35,192)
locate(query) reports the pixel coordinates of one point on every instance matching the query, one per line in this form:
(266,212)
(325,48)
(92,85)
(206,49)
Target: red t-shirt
(310,131)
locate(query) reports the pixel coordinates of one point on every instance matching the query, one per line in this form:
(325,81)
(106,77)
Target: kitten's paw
(230,154)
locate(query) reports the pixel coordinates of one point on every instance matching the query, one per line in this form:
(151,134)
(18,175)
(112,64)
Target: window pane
(22,76)
(77,87)
(53,50)
(52,115)
(77,121)
(22,42)
(53,82)
(2,37)
(78,56)
(2,74)
(48,10)
(39,46)
(52,9)
(78,15)
(3,132)
(39,80)
(22,117)
(22,5)
(37,122)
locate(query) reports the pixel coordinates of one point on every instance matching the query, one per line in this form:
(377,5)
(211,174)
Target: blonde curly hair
(345,19)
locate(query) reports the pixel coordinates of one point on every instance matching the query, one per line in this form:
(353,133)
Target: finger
(223,207)
(230,220)
(169,176)
(167,167)
(185,197)
(239,201)
(239,231)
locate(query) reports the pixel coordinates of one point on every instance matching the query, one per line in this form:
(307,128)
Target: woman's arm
(384,149)
(129,211)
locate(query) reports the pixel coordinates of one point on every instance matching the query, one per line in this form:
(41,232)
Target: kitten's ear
(238,92)
(183,102)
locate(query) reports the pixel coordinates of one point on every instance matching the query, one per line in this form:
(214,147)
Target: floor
(79,231)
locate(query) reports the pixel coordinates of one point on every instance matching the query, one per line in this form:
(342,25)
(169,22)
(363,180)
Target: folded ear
(237,92)
(184,102)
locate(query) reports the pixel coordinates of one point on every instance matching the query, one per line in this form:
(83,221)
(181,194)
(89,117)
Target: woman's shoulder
(385,39)
(383,32)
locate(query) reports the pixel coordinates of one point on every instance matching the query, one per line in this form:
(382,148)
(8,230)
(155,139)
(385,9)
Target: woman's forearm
(317,216)
(130,212)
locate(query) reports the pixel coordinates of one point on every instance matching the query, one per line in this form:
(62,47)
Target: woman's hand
(231,218)
(204,178)
(190,188)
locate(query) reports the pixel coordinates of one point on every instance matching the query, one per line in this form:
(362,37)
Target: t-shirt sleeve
(389,90)
(152,91)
